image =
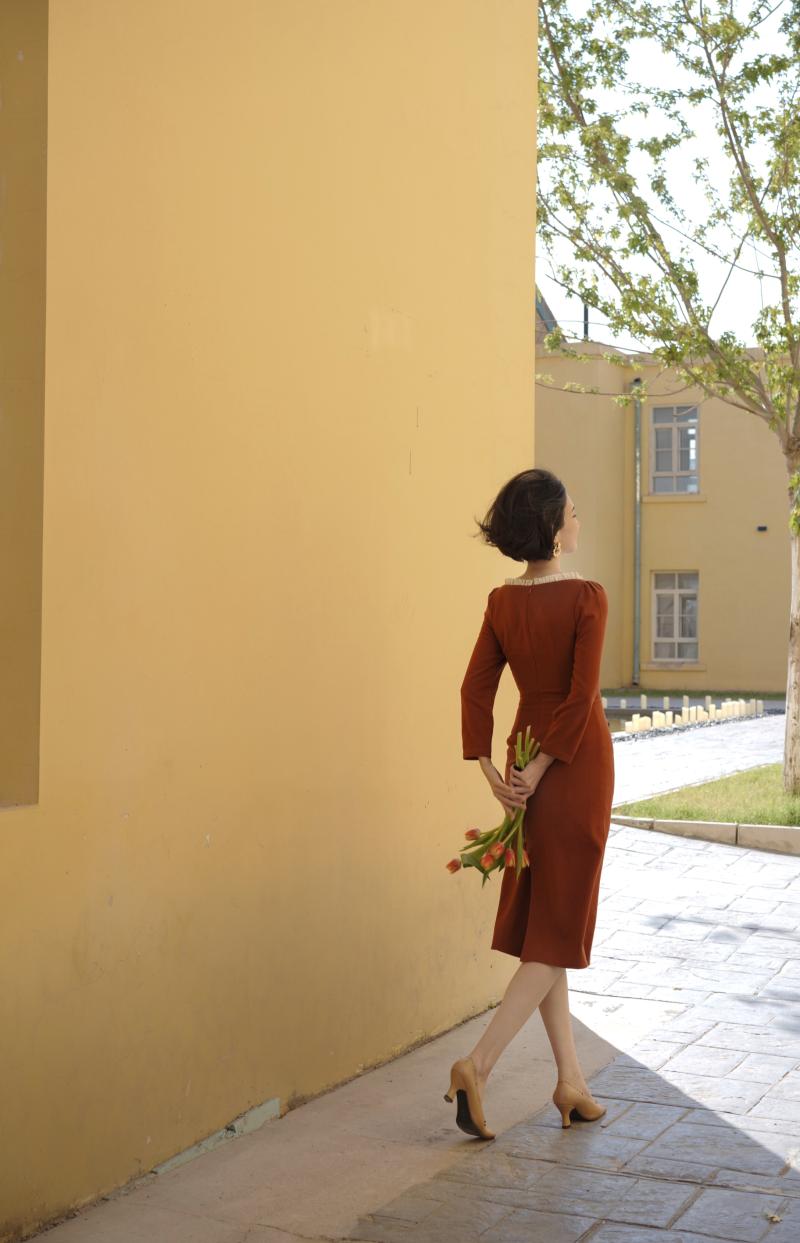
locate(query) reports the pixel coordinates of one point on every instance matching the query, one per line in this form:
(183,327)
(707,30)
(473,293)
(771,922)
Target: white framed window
(675,615)
(674,437)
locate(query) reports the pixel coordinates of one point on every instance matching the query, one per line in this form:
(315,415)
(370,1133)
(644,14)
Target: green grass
(752,797)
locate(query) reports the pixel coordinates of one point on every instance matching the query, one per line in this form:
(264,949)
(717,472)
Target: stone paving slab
(701,1139)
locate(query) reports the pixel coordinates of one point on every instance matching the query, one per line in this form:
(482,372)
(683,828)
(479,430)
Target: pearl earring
(557,548)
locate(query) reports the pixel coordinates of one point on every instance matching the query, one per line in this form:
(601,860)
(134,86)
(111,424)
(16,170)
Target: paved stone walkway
(701,1140)
(648,764)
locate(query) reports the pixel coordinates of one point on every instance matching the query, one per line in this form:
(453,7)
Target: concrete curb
(779,838)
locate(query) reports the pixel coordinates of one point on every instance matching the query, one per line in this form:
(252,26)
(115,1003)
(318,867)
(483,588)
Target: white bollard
(708,702)
(642,701)
(693,714)
(623,703)
(759,707)
(668,718)
(686,701)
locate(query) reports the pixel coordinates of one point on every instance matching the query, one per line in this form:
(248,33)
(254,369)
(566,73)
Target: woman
(548,625)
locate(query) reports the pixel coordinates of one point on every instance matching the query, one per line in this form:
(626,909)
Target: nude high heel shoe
(569,1099)
(469,1109)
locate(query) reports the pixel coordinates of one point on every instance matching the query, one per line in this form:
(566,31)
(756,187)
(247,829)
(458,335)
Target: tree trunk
(791,741)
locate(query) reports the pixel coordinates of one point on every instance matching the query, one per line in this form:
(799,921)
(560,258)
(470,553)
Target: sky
(741,293)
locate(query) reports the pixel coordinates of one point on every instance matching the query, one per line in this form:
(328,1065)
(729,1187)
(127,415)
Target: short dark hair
(525,516)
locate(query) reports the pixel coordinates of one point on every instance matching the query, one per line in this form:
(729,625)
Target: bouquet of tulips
(502,846)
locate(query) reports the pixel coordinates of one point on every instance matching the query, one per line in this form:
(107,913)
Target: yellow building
(712,563)
(283,358)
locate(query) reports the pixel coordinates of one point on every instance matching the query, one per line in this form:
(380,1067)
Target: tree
(616,139)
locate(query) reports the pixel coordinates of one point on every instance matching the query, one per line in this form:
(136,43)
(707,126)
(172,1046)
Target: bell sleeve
(569,720)
(479,687)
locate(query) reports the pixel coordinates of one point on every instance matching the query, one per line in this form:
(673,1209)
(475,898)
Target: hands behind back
(516,792)
(525,782)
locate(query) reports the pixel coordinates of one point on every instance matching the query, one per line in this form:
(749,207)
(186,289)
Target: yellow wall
(289,356)
(744,574)
(23,159)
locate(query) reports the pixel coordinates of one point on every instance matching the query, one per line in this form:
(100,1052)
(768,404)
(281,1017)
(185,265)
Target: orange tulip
(487,860)
(511,858)
(454,865)
(497,849)
(472,834)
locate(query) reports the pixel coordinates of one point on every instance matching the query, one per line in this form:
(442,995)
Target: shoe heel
(567,1098)
(464,1090)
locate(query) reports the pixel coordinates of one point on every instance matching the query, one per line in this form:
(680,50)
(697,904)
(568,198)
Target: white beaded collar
(544,578)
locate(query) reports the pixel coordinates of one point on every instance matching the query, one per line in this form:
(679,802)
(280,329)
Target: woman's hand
(511,799)
(525,782)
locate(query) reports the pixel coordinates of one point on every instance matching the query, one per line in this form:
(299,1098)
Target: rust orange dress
(550,631)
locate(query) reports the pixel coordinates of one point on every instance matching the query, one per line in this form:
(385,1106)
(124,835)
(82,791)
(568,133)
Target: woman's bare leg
(554,1009)
(528,985)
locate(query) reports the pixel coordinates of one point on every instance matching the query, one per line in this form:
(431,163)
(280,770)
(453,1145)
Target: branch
(738,153)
